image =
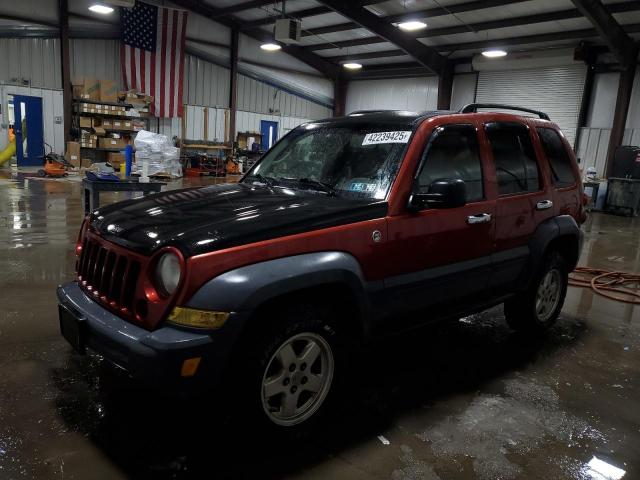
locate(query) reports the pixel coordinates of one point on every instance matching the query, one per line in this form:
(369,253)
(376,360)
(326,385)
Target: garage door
(554,90)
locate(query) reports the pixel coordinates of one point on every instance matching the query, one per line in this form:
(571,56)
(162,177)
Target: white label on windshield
(386,137)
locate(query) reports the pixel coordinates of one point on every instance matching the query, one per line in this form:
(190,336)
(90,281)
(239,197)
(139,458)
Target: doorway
(28,128)
(269,132)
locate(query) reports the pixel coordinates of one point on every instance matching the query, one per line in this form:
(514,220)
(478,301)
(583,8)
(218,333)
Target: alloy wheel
(548,295)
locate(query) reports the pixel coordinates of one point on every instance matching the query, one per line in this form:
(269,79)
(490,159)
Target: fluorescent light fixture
(352,66)
(600,470)
(495,53)
(103,9)
(270,47)
(412,26)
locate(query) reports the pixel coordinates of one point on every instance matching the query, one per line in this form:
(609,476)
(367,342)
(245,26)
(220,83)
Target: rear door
(524,199)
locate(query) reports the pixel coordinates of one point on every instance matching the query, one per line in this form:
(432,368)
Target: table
(92,189)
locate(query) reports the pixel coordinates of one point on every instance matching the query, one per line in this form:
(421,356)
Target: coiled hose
(620,286)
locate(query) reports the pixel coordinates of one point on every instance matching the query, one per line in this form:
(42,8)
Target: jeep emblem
(376,235)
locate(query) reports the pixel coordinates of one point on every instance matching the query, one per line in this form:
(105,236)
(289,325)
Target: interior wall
(464,90)
(414,94)
(31,62)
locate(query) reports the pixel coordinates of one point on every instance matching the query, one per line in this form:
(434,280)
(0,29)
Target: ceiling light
(494,53)
(270,47)
(352,66)
(103,9)
(412,26)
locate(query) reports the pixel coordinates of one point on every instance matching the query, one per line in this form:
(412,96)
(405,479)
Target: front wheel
(537,309)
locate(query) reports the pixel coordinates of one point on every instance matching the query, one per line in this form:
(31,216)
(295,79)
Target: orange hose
(620,286)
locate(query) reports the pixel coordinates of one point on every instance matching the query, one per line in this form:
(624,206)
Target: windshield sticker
(386,137)
(362,187)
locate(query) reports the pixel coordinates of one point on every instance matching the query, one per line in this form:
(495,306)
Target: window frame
(433,136)
(536,159)
(568,154)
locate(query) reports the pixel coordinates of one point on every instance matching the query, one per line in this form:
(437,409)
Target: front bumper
(153,357)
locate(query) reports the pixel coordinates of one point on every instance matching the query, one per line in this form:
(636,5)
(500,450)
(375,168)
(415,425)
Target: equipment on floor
(620,286)
(55,166)
(205,164)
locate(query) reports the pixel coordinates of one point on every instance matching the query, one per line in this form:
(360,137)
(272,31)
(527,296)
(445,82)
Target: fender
(246,288)
(545,233)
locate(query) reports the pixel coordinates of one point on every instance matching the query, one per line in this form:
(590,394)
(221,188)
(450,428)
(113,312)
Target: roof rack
(473,108)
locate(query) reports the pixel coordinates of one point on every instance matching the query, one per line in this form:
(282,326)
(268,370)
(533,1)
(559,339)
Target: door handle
(544,204)
(479,218)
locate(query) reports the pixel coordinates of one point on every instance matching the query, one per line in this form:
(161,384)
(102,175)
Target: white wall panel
(415,94)
(555,90)
(603,100)
(205,83)
(633,117)
(250,122)
(51,108)
(96,58)
(35,60)
(464,90)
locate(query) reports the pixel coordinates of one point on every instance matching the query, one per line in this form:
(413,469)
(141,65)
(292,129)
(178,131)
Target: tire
(536,310)
(291,371)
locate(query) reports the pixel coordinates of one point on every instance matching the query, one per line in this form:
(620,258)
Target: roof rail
(473,108)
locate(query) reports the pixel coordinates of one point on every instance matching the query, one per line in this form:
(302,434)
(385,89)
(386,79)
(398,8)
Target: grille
(109,274)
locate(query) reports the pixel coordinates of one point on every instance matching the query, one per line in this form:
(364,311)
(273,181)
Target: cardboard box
(72,154)
(115,159)
(77,83)
(108,91)
(91,89)
(100,131)
(86,122)
(107,123)
(89,144)
(127,125)
(111,143)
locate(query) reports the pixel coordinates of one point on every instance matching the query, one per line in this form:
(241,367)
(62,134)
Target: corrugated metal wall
(250,122)
(205,83)
(554,90)
(36,60)
(416,94)
(51,108)
(95,58)
(633,117)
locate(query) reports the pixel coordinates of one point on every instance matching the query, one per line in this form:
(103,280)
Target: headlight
(168,273)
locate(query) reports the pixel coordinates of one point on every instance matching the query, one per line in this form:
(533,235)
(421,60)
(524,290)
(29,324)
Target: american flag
(152,55)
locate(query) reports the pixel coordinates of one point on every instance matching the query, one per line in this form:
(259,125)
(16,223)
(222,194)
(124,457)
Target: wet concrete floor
(465,400)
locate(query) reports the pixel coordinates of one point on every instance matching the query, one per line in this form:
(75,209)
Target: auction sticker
(386,137)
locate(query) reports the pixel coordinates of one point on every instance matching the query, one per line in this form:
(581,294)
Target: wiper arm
(269,181)
(323,186)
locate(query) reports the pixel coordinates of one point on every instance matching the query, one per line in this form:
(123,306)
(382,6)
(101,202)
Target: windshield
(357,161)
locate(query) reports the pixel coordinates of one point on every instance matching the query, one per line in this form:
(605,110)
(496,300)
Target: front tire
(537,309)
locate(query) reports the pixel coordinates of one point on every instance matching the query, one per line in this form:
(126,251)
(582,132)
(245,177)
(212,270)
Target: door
(29,130)
(269,132)
(524,199)
(442,256)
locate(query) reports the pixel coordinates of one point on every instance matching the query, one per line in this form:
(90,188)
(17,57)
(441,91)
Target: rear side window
(559,159)
(453,153)
(515,159)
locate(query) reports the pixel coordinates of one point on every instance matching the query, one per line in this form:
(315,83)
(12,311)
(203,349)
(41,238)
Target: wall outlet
(57,120)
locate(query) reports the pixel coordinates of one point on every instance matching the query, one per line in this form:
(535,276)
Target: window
(559,160)
(514,157)
(452,153)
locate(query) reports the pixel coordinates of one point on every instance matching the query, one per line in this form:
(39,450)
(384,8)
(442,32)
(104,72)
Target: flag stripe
(180,81)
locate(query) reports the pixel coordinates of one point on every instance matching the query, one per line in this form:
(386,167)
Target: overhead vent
(287,30)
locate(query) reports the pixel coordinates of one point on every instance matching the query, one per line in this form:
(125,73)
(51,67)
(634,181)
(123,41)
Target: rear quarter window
(559,159)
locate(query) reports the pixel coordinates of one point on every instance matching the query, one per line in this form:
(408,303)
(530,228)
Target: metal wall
(464,90)
(205,83)
(602,103)
(95,58)
(633,117)
(416,94)
(51,108)
(35,60)
(250,122)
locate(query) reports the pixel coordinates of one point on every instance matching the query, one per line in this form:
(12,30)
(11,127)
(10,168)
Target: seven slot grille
(109,276)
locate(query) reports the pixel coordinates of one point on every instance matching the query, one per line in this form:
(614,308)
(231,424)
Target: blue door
(29,130)
(269,132)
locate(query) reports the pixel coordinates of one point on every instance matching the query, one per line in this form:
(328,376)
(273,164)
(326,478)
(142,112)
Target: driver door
(442,256)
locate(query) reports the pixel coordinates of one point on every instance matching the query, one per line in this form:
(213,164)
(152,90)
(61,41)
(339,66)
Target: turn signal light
(190,367)
(191,317)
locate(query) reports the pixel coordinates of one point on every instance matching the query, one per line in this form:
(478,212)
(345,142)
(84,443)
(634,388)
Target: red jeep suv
(347,229)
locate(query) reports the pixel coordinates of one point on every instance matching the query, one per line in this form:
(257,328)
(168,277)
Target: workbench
(92,189)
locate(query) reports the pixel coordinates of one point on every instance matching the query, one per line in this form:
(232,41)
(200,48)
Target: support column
(339,95)
(67,92)
(233,82)
(445,86)
(625,86)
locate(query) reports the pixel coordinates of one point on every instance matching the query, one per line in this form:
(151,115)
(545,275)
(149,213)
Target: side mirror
(443,193)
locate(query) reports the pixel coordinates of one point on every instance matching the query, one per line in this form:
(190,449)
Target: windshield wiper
(322,186)
(269,181)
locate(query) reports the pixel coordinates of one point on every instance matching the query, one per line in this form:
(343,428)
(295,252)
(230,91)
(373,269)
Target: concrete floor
(466,400)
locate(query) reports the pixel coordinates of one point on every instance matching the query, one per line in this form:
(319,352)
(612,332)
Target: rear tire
(536,310)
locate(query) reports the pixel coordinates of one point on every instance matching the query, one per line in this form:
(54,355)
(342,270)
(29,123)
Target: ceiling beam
(368,55)
(613,35)
(308,12)
(222,11)
(346,43)
(325,67)
(424,54)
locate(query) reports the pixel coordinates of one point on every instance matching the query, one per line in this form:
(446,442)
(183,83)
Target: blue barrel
(128,159)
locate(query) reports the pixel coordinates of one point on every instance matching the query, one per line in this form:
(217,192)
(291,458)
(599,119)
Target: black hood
(199,220)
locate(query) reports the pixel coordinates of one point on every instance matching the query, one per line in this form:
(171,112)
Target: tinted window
(453,153)
(515,160)
(559,160)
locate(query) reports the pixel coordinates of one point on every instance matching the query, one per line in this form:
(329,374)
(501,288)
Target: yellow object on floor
(8,152)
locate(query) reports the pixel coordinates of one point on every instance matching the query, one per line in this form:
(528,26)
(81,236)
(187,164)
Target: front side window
(559,160)
(355,161)
(452,153)
(514,157)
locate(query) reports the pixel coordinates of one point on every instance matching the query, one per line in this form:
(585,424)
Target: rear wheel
(537,309)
